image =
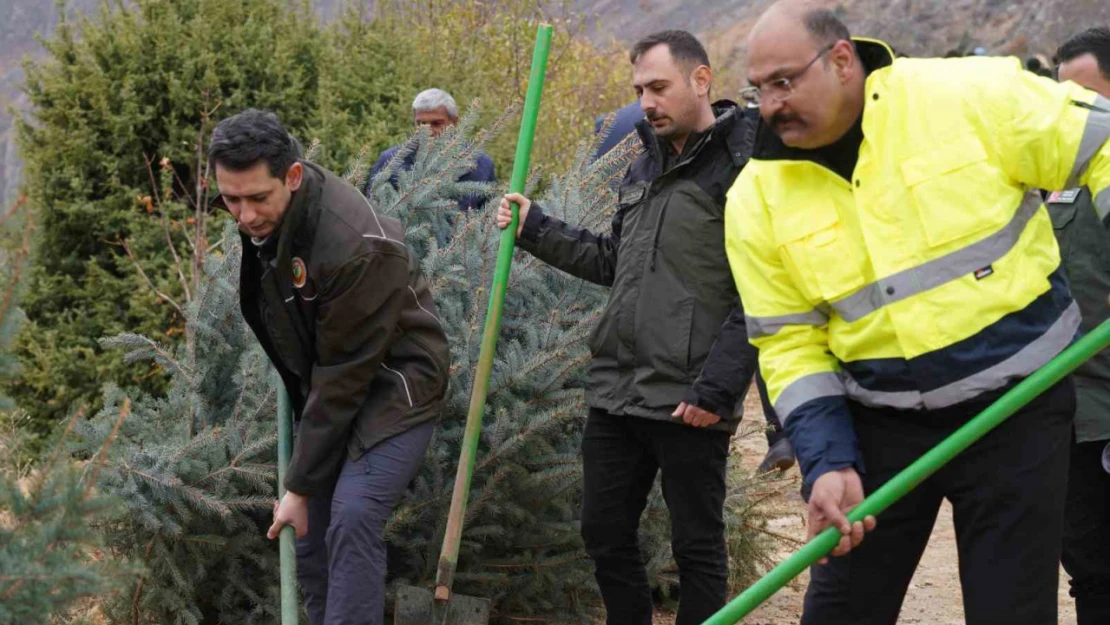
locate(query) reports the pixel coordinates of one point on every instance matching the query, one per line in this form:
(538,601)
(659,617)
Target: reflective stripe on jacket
(933,276)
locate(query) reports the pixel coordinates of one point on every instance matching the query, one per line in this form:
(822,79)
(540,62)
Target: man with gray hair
(437,110)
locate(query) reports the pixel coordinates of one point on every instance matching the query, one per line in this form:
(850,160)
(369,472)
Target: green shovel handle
(287,556)
(449,557)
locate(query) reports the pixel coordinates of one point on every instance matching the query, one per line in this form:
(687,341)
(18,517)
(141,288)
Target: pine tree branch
(191,493)
(200,236)
(194,442)
(250,450)
(560,376)
(17,265)
(142,581)
(102,458)
(162,296)
(782,537)
(166,229)
(232,469)
(535,566)
(62,440)
(18,204)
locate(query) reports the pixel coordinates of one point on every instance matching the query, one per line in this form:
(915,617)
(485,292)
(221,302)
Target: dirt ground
(934,594)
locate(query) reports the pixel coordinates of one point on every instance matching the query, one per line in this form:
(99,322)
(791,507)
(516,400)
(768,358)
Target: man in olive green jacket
(671,357)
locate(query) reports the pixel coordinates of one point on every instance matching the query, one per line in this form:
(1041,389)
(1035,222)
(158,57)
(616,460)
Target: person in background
(1082,223)
(437,110)
(623,124)
(1039,65)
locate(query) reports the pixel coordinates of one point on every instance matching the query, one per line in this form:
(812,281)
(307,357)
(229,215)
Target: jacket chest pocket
(1062,215)
(818,251)
(952,191)
(630,205)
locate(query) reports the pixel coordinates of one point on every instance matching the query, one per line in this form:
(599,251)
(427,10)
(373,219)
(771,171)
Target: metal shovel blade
(418,606)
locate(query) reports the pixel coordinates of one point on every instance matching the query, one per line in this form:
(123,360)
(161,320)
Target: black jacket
(341,308)
(1085,255)
(674,327)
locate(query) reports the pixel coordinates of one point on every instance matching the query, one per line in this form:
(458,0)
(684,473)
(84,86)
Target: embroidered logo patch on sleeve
(300,274)
(1063,197)
(984,272)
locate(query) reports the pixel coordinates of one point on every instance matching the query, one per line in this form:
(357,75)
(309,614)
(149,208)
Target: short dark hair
(825,27)
(684,47)
(1095,41)
(241,141)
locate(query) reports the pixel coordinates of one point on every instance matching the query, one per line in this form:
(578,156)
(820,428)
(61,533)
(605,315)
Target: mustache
(653,115)
(781,118)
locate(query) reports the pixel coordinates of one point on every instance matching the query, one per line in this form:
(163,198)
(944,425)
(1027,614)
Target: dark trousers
(775,433)
(341,561)
(621,456)
(1007,494)
(1087,533)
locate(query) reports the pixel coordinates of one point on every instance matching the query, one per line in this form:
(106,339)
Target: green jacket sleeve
(577,251)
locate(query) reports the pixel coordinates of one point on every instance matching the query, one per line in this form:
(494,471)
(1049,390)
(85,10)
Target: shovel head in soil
(418,606)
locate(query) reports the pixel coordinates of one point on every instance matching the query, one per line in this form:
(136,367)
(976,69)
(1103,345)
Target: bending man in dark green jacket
(670,354)
(341,308)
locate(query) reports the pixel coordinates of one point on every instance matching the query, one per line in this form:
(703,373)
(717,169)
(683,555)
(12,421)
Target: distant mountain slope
(20,22)
(917,27)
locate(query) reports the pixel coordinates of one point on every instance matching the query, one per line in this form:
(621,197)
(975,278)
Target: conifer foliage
(46,543)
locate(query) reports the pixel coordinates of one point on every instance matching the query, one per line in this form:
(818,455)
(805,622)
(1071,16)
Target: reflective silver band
(1095,134)
(759,327)
(1031,357)
(807,389)
(939,271)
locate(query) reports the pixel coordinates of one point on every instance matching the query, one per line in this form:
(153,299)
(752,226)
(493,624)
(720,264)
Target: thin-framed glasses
(778,89)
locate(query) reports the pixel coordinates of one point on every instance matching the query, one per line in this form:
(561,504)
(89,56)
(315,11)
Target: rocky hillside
(916,27)
(21,21)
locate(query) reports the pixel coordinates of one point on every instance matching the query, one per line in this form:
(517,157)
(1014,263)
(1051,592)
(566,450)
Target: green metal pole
(1048,375)
(449,557)
(290,610)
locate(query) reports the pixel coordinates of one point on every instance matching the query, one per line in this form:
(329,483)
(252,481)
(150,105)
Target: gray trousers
(341,561)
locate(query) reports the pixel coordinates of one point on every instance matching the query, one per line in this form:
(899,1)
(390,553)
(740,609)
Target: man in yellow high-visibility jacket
(899,273)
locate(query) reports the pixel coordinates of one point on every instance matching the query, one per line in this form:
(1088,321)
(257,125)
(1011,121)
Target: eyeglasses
(778,89)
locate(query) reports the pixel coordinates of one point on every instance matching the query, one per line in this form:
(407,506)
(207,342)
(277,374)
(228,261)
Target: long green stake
(290,613)
(449,557)
(1048,375)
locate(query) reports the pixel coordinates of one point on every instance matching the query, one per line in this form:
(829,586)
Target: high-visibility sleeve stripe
(807,389)
(939,271)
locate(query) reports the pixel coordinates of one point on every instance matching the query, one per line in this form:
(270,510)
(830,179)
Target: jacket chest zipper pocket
(817,249)
(949,196)
(631,198)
